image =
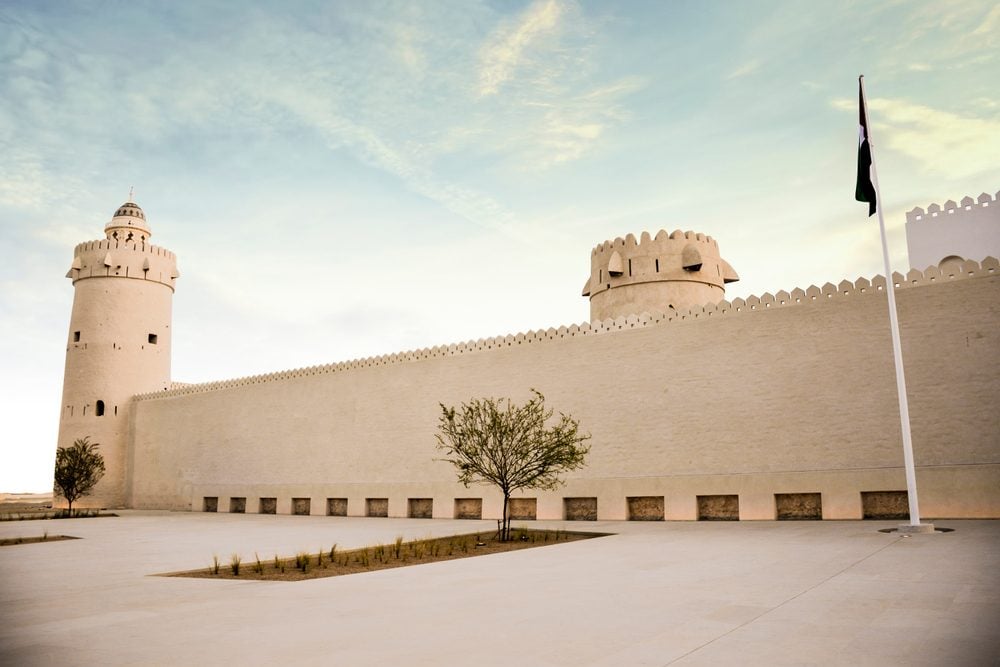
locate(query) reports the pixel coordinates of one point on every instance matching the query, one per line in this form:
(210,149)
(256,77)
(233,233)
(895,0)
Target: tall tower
(655,274)
(119,341)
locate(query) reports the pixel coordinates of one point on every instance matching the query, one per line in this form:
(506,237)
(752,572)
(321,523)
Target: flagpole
(904,410)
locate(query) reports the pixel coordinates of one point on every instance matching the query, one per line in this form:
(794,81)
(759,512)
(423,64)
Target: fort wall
(786,393)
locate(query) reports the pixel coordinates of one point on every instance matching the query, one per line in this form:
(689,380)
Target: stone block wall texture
(336,506)
(885,504)
(793,398)
(378,507)
(468,508)
(793,506)
(523,509)
(645,508)
(581,509)
(301,506)
(719,508)
(268,506)
(420,508)
(237,505)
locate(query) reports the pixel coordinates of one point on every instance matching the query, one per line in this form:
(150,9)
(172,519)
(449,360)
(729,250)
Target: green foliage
(78,469)
(234,564)
(510,446)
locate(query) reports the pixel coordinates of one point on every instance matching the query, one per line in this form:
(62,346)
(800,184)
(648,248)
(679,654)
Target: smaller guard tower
(954,232)
(119,341)
(655,274)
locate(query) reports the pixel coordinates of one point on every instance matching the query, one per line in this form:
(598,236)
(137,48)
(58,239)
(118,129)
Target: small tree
(510,446)
(78,469)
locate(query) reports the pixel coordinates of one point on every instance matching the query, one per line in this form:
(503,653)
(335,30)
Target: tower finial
(130,190)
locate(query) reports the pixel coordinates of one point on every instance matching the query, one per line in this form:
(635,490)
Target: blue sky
(343,179)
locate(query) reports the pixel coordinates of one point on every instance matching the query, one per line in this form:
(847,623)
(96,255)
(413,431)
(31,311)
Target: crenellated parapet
(968,207)
(969,229)
(655,273)
(111,258)
(845,289)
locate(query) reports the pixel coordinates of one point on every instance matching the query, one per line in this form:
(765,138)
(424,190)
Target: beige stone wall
(793,393)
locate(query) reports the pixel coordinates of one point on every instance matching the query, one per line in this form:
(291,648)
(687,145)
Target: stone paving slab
(655,593)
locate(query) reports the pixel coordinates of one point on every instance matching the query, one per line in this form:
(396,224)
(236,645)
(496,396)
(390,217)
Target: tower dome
(128,224)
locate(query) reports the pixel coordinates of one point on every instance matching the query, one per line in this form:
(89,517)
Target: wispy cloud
(525,95)
(746,68)
(509,45)
(941,141)
(571,127)
(990,24)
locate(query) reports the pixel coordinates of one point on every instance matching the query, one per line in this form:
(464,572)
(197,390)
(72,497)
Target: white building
(969,230)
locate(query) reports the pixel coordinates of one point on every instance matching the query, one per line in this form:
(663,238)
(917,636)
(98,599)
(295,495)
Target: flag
(864,190)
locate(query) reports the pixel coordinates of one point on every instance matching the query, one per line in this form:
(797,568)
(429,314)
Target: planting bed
(332,562)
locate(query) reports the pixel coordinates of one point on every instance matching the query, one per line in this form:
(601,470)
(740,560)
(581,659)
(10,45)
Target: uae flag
(865,190)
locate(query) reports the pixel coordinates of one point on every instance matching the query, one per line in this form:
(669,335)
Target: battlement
(969,229)
(968,206)
(652,243)
(663,272)
(845,289)
(109,258)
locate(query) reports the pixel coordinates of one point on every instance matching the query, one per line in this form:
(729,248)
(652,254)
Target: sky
(346,179)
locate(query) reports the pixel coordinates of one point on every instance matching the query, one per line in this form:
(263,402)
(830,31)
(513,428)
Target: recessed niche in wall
(580,509)
(210,504)
(377,507)
(76,336)
(523,509)
(645,508)
(798,506)
(268,506)
(420,508)
(99,409)
(336,506)
(301,506)
(237,505)
(468,508)
(719,508)
(152,339)
(885,505)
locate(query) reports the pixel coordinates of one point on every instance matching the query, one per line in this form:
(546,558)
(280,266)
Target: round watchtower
(119,341)
(655,274)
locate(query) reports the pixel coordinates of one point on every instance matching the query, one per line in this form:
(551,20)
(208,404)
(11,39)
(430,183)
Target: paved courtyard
(753,593)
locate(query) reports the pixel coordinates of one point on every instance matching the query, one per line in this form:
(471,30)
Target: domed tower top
(128,224)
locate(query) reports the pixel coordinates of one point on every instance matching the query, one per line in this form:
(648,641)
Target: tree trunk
(505,531)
